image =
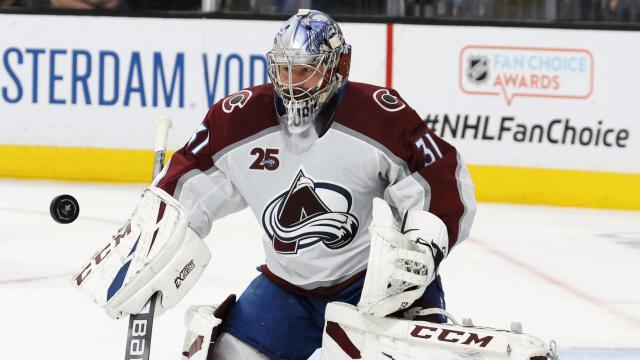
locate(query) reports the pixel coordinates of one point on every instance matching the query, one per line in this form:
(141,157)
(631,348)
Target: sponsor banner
(538,98)
(101,82)
(513,71)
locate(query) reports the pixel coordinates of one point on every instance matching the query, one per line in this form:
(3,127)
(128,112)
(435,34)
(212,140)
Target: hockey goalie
(359,202)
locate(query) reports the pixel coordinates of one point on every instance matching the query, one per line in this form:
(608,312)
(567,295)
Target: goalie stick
(141,325)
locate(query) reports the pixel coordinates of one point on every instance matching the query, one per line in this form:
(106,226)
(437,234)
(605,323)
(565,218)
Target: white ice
(566,274)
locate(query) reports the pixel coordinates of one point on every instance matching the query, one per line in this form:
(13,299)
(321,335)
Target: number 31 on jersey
(427,146)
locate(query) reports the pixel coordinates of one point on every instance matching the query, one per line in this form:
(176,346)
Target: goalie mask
(308,64)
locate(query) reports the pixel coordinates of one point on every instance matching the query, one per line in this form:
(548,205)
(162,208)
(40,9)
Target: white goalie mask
(308,64)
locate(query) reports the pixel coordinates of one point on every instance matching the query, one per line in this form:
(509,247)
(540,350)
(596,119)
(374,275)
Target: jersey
(315,207)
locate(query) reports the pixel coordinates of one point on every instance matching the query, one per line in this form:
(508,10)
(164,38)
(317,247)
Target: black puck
(64,209)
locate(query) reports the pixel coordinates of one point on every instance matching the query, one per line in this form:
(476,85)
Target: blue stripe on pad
(116,284)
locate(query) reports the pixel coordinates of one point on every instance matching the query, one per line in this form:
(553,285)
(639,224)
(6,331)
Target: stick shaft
(162,132)
(158,163)
(141,325)
(139,333)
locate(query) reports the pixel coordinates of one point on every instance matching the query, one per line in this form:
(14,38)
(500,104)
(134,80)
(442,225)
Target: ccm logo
(451,336)
(102,255)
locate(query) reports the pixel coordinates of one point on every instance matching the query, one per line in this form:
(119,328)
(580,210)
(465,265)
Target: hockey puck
(64,209)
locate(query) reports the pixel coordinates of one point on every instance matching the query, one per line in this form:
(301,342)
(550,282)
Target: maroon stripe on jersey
(320,292)
(341,338)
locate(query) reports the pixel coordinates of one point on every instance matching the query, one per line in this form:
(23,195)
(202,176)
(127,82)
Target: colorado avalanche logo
(301,217)
(387,101)
(238,99)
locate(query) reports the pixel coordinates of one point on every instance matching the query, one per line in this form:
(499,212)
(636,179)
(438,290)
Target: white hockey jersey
(315,207)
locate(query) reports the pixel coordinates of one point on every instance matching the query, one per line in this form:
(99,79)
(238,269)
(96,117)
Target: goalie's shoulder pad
(249,101)
(239,116)
(381,103)
(154,251)
(382,115)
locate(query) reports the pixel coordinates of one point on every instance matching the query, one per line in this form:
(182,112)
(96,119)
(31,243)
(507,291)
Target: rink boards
(540,115)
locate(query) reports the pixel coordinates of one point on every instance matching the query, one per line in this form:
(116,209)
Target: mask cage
(299,78)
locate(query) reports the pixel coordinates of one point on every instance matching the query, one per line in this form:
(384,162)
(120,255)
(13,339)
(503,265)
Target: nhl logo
(477,68)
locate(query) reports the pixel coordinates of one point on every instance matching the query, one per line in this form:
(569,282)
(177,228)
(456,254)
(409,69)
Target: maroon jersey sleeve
(438,167)
(423,170)
(195,155)
(192,178)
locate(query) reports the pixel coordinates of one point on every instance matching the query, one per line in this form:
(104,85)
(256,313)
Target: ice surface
(567,274)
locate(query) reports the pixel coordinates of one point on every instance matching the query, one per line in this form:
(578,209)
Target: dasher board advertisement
(541,98)
(102,77)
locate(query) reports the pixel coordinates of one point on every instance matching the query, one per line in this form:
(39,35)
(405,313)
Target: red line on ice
(550,279)
(45,213)
(31,279)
